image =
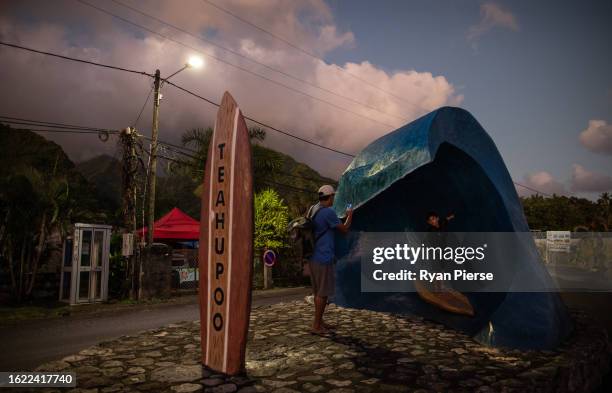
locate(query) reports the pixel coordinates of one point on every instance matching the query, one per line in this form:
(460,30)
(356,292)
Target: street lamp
(192,62)
(195,62)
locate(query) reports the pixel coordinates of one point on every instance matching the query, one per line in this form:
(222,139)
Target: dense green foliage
(295,182)
(41,193)
(568,213)
(180,179)
(271,219)
(22,149)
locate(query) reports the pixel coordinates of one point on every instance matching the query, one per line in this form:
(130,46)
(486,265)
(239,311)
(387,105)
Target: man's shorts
(323,278)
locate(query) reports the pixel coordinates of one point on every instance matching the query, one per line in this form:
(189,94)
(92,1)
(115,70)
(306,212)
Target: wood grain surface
(226,242)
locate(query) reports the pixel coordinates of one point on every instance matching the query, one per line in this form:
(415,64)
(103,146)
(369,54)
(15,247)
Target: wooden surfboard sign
(446,299)
(226,242)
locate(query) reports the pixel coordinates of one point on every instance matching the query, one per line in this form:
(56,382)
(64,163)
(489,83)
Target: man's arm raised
(346,225)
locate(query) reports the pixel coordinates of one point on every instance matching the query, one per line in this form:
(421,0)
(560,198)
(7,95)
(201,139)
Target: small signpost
(269,258)
(127,246)
(226,242)
(558,241)
(557,245)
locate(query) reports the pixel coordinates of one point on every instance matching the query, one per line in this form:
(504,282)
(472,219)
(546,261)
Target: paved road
(29,344)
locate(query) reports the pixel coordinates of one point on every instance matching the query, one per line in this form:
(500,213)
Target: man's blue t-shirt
(324,221)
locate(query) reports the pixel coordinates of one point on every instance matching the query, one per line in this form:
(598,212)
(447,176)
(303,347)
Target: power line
(90,130)
(289,187)
(235,53)
(143,106)
(68,128)
(173,147)
(47,123)
(64,131)
(263,124)
(277,171)
(58,127)
(234,65)
(305,51)
(71,128)
(532,189)
(303,190)
(53,125)
(87,130)
(312,192)
(75,59)
(189,92)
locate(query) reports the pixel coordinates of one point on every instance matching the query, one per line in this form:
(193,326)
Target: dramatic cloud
(44,88)
(597,137)
(492,15)
(584,180)
(541,181)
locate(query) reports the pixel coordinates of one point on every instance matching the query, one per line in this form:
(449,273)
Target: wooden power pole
(128,208)
(153,161)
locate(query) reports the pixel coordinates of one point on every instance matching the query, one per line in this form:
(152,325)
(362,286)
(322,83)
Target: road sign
(127,246)
(226,242)
(558,241)
(269,258)
(188,274)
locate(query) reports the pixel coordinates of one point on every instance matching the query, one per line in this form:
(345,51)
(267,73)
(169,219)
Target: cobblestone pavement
(370,352)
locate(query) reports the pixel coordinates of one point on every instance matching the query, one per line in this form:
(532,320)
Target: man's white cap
(326,190)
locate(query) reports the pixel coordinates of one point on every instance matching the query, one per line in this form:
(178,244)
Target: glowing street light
(195,62)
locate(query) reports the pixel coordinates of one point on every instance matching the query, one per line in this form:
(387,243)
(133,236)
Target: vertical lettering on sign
(227,249)
(219,246)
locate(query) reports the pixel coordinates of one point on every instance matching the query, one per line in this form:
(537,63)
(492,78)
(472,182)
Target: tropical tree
(265,161)
(605,207)
(198,140)
(271,219)
(32,206)
(568,213)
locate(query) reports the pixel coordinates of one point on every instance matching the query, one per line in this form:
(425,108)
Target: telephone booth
(85,264)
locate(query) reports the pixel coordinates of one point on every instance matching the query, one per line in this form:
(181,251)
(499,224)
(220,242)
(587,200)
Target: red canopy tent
(175,225)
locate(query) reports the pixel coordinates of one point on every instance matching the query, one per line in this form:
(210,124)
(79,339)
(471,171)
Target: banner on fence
(558,241)
(189,274)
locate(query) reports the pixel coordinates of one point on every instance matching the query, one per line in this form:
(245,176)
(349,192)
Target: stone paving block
(369,352)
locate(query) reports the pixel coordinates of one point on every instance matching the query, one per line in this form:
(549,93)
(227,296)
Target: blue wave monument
(445,161)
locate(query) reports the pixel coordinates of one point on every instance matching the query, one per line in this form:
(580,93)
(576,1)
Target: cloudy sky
(535,74)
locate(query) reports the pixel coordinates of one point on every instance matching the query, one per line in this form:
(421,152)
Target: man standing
(322,269)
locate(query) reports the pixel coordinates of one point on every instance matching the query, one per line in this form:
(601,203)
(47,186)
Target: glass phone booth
(85,264)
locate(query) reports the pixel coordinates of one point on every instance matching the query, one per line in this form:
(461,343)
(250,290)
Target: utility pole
(128,175)
(153,161)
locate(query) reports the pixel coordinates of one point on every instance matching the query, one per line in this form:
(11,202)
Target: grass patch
(22,313)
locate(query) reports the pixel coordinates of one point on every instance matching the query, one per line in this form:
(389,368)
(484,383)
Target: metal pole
(267,276)
(153,162)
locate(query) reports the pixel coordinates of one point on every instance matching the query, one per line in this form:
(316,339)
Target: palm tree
(265,161)
(32,206)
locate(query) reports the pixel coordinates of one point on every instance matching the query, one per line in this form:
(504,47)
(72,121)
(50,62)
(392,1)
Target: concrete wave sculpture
(445,161)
